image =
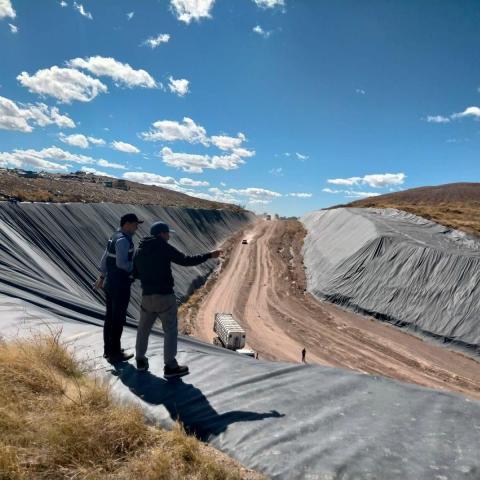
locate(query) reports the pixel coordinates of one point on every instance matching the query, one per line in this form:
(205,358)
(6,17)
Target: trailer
(230,333)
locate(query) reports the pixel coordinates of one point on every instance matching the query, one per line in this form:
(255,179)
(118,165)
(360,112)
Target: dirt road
(263,285)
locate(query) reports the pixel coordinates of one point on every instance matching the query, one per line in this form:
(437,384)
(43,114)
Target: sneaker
(120,357)
(142,364)
(175,372)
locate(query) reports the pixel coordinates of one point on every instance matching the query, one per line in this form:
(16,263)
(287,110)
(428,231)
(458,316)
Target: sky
(284,106)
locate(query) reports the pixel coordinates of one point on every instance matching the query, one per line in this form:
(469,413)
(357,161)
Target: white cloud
(154,42)
(224,142)
(149,178)
(180,86)
(121,73)
(193,183)
(81,141)
(352,193)
(278,172)
(95,172)
(63,4)
(75,140)
(468,112)
(226,162)
(378,180)
(171,131)
(6,9)
(188,10)
(130,15)
(185,161)
(46,159)
(20,117)
(301,157)
(301,195)
(270,3)
(254,192)
(64,84)
(437,119)
(124,147)
(96,141)
(360,91)
(243,152)
(260,31)
(13,28)
(107,164)
(79,7)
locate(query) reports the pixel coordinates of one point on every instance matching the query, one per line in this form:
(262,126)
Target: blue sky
(282,105)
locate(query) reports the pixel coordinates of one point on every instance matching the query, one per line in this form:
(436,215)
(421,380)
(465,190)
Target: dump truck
(230,334)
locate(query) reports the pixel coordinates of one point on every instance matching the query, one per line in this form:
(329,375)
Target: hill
(455,205)
(89,188)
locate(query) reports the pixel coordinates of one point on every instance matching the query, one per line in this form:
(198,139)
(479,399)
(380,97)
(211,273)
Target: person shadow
(184,402)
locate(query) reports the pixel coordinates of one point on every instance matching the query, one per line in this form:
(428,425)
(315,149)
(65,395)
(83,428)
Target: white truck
(230,334)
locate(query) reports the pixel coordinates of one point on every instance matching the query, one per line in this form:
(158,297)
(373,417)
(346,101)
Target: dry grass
(461,216)
(58,423)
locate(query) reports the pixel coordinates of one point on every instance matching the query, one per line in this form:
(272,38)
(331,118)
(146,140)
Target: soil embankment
(264,286)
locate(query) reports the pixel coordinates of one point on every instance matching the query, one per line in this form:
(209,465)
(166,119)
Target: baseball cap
(160,227)
(129,218)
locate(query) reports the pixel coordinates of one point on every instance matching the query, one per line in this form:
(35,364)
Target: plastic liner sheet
(288,421)
(397,267)
(50,253)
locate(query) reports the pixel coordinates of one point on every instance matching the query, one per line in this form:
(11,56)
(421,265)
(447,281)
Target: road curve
(280,321)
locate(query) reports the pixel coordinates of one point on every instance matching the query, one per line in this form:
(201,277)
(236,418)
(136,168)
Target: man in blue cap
(152,265)
(116,273)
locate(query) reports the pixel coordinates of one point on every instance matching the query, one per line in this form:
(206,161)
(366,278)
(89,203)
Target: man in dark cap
(116,273)
(152,265)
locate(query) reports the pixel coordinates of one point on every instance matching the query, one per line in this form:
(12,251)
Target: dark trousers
(117,300)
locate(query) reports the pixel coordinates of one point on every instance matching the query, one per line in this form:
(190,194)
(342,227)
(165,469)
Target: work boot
(142,364)
(119,357)
(175,372)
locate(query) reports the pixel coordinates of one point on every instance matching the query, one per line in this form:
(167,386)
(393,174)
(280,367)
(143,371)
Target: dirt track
(263,285)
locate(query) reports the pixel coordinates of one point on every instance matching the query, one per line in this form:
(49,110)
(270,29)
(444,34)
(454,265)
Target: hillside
(89,188)
(455,205)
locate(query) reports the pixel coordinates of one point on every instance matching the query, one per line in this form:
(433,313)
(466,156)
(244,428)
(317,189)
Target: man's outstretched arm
(189,261)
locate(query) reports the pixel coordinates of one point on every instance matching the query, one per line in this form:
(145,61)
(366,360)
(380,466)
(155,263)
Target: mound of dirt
(455,205)
(88,188)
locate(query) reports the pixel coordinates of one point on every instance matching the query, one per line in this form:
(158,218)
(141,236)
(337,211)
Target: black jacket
(152,265)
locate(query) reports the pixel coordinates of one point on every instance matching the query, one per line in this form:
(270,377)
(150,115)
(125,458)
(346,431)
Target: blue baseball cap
(160,227)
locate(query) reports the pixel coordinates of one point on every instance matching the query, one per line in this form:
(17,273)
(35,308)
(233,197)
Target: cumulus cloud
(360,91)
(278,172)
(81,10)
(130,15)
(6,9)
(301,156)
(254,193)
(64,84)
(154,42)
(13,28)
(193,183)
(188,10)
(171,131)
(473,112)
(178,86)
(352,193)
(63,4)
(260,31)
(81,141)
(107,164)
(124,147)
(224,142)
(301,195)
(187,162)
(437,119)
(94,171)
(269,3)
(376,180)
(468,112)
(121,73)
(251,195)
(20,117)
(243,152)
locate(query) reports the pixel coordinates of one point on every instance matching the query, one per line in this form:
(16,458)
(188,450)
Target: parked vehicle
(244,242)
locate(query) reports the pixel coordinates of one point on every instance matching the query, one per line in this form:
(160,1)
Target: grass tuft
(58,423)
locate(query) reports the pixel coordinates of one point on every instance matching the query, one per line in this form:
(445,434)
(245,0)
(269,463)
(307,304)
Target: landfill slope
(397,267)
(288,421)
(50,253)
